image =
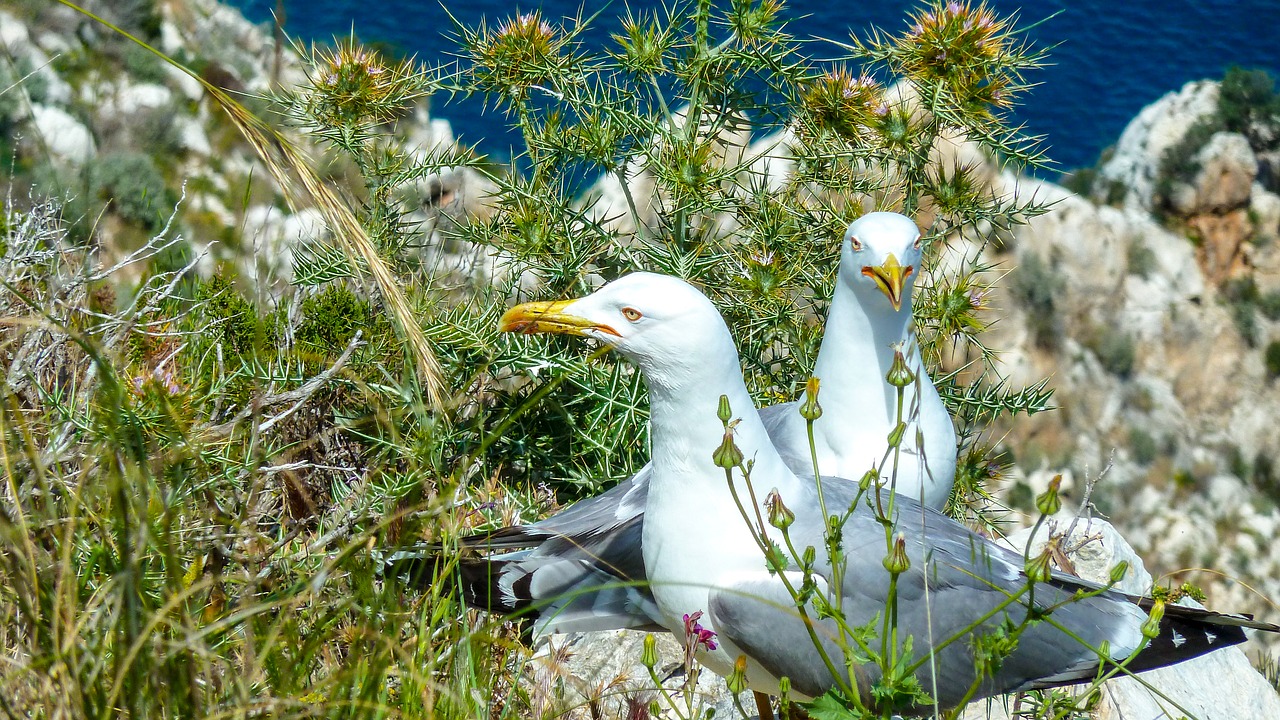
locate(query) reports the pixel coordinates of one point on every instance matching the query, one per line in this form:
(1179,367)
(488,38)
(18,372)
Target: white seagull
(700,556)
(581,569)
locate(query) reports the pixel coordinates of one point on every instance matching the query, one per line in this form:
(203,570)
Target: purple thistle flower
(977,296)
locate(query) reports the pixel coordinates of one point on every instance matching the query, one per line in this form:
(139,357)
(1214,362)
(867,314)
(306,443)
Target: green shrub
(229,318)
(1080,181)
(1269,304)
(1248,104)
(1265,477)
(1115,350)
(1180,162)
(1144,447)
(1034,285)
(1140,260)
(1271,358)
(131,184)
(142,65)
(331,318)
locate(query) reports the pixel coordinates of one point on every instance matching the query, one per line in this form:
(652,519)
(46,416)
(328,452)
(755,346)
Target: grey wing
(758,615)
(566,585)
(588,518)
(777,422)
(956,579)
(582,569)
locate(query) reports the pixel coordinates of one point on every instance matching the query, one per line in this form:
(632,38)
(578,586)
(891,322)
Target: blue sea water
(1109,58)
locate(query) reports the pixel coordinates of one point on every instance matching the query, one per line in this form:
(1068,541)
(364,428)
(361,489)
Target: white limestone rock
(66,138)
(14,35)
(607,665)
(131,99)
(1225,180)
(1158,127)
(192,136)
(274,236)
(1094,547)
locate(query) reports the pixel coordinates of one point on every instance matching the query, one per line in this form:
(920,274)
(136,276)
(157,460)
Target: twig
(298,396)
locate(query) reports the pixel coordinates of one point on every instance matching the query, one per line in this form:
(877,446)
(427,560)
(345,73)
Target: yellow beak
(890,277)
(548,317)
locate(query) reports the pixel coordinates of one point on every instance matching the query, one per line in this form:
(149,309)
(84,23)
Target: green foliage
(1271,359)
(142,65)
(230,318)
(1269,666)
(1269,304)
(1144,447)
(1265,477)
(331,319)
(133,187)
(1140,260)
(1247,104)
(1115,350)
(1034,285)
(1243,300)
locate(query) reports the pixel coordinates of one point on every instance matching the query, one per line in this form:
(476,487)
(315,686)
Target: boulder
(1224,183)
(1093,546)
(606,672)
(66,138)
(1159,126)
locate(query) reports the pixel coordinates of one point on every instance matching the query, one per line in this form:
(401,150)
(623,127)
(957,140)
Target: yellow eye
(918,239)
(631,314)
(855,244)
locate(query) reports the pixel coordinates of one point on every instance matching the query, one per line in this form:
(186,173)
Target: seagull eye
(855,244)
(631,314)
(918,239)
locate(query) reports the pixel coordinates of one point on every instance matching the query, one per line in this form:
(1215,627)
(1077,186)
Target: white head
(880,255)
(661,322)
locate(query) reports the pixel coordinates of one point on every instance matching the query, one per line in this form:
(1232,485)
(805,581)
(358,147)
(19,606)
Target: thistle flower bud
(1038,569)
(780,516)
(809,556)
(810,410)
(649,656)
(895,435)
(727,456)
(897,562)
(1119,571)
(737,680)
(1048,502)
(724,412)
(835,531)
(899,374)
(1151,628)
(868,480)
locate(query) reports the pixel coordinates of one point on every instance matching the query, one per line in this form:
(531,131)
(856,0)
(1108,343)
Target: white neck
(854,344)
(684,398)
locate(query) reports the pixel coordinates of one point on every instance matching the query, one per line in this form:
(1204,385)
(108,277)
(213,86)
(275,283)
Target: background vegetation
(201,477)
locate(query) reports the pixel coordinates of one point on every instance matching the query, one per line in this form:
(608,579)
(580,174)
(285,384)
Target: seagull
(580,570)
(702,560)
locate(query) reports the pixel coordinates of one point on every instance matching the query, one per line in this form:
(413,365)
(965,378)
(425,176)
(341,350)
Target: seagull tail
(1188,632)
(557,594)
(1185,633)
